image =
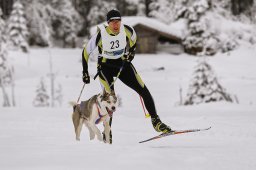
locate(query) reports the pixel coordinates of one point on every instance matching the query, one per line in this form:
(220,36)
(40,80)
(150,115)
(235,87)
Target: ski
(176,132)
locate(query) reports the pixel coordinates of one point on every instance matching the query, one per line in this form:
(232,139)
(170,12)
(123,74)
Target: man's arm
(87,51)
(91,45)
(132,37)
(131,34)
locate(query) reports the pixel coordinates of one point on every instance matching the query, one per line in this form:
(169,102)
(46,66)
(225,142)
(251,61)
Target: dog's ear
(104,92)
(100,96)
(113,93)
(104,95)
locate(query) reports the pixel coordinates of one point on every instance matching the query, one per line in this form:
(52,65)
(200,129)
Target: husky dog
(99,108)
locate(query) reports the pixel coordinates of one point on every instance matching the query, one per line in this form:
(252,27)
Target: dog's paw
(108,141)
(92,136)
(77,138)
(100,138)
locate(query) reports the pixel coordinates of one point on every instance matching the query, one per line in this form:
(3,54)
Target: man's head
(114,20)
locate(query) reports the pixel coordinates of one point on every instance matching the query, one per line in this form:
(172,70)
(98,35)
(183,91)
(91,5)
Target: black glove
(130,56)
(131,53)
(86,77)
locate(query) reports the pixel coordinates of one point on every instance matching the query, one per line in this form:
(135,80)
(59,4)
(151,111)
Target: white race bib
(113,47)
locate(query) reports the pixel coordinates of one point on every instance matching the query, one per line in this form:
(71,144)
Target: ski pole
(118,74)
(80,93)
(147,115)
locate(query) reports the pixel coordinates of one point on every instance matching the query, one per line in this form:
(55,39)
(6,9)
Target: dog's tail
(72,103)
(76,119)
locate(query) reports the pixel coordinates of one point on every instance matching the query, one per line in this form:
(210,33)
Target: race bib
(113,47)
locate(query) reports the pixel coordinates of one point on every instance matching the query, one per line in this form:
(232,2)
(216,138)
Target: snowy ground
(43,138)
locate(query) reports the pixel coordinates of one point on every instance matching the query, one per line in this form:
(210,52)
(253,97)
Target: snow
(230,28)
(181,25)
(43,138)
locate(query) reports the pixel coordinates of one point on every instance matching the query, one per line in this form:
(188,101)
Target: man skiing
(116,45)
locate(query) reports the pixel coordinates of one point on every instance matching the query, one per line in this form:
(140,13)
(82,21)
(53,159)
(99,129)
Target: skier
(116,45)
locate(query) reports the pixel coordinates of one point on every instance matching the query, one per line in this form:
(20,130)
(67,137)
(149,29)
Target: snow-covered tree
(147,8)
(3,59)
(17,27)
(64,20)
(69,20)
(205,33)
(52,20)
(3,40)
(99,10)
(58,98)
(200,37)
(83,7)
(69,36)
(205,87)
(38,26)
(6,6)
(42,97)
(141,11)
(240,6)
(127,7)
(162,10)
(6,72)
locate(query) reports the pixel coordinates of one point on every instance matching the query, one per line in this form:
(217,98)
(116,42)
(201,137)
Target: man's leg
(106,78)
(131,78)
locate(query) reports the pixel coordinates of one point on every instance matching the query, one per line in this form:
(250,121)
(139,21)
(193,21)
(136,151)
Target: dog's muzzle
(110,112)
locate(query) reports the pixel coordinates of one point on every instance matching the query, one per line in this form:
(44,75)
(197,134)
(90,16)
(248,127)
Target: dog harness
(100,116)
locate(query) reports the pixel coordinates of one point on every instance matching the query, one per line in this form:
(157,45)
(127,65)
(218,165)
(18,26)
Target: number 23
(114,44)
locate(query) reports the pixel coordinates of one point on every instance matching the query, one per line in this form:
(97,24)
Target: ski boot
(159,126)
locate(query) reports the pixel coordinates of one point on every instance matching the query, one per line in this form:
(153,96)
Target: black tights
(129,77)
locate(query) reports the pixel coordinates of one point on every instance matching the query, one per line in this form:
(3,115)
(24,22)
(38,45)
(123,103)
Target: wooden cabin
(150,40)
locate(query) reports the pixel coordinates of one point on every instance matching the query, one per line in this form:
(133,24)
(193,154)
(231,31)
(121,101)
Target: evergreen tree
(141,8)
(3,60)
(38,26)
(58,95)
(3,40)
(99,10)
(147,8)
(65,21)
(42,97)
(204,86)
(200,37)
(6,73)
(69,36)
(17,27)
(162,10)
(6,6)
(240,6)
(127,7)
(83,7)
(70,21)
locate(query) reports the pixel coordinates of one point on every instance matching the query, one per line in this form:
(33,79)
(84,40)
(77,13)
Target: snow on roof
(149,22)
